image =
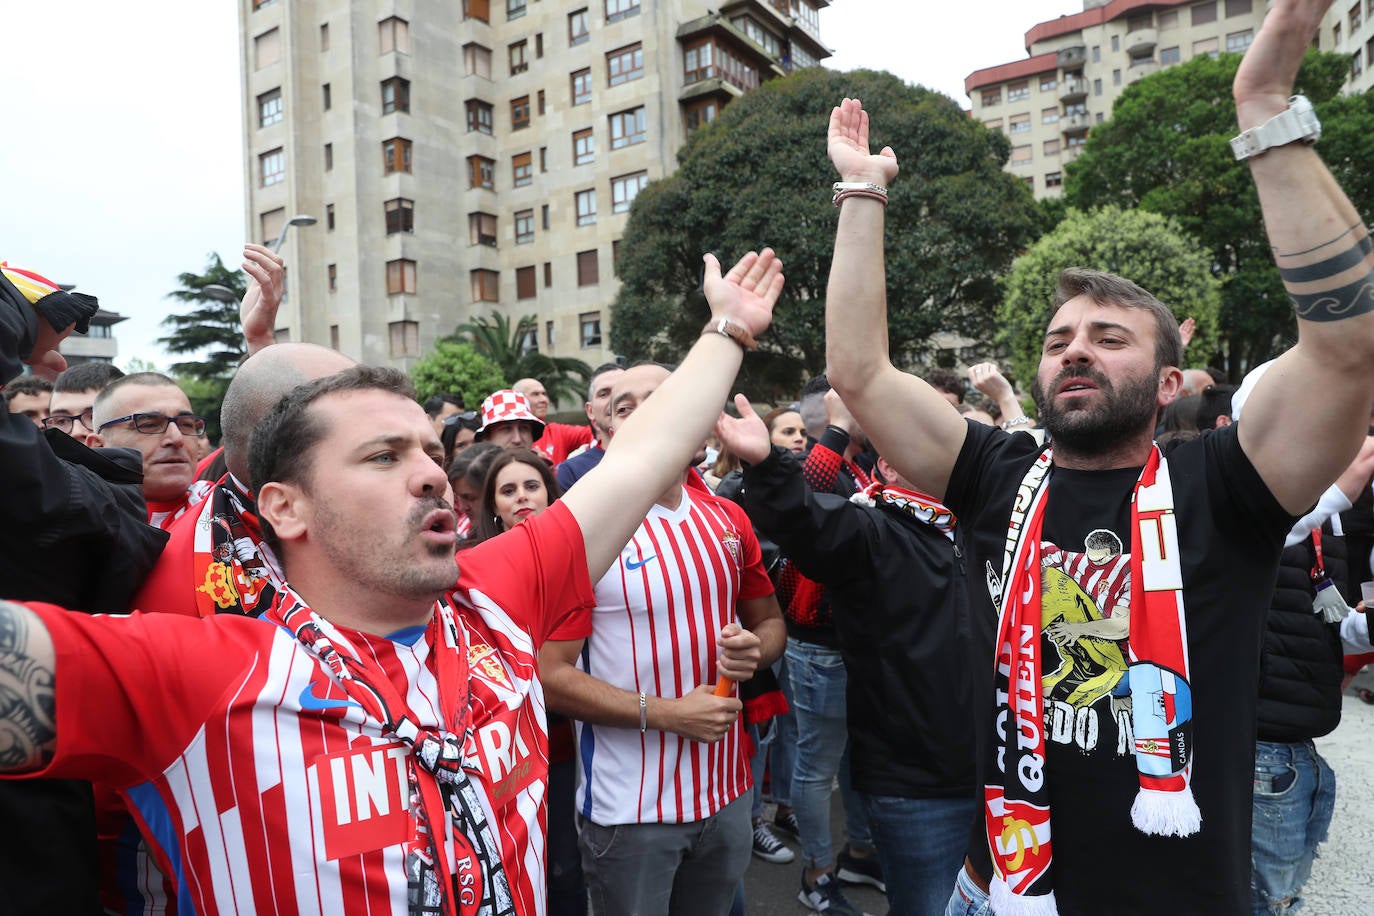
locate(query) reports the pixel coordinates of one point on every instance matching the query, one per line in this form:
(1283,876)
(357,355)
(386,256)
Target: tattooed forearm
(1335,304)
(1339,284)
(27,710)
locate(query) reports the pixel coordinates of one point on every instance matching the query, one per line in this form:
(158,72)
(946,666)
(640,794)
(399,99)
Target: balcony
(1141,41)
(1069,154)
(1141,69)
(1074,124)
(1073,90)
(1072,57)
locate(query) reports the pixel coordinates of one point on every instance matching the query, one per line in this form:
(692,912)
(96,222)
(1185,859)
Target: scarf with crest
(1016,797)
(925,509)
(235,571)
(438,780)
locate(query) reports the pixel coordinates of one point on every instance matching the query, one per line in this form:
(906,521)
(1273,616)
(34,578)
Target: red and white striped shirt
(658,612)
(258,782)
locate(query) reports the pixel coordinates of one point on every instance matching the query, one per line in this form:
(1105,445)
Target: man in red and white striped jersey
(382,747)
(659,754)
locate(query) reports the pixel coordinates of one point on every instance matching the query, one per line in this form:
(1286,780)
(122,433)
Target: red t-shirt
(562,439)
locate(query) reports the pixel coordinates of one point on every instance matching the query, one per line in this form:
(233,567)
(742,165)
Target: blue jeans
(1295,795)
(817,679)
(774,744)
(968,899)
(920,841)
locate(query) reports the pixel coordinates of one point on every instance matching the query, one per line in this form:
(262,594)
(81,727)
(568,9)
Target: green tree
(759,176)
(1145,247)
(1166,150)
(509,348)
(211,328)
(458,368)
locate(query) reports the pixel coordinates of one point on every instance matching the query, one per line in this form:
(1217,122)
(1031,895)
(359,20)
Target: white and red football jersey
(658,612)
(263,788)
(162,514)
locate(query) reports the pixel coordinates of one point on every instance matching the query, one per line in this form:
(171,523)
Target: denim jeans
(920,842)
(817,679)
(1295,795)
(774,748)
(968,899)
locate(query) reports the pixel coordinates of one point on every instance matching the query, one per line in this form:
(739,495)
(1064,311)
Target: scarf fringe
(1329,604)
(1007,903)
(1166,813)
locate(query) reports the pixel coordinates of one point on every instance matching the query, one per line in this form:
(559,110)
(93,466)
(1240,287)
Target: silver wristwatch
(1298,122)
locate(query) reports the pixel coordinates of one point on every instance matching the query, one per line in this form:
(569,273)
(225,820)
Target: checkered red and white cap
(506,406)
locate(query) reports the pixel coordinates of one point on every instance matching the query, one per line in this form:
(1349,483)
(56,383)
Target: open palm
(847,144)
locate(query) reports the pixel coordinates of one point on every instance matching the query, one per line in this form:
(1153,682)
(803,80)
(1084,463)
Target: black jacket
(900,601)
(1300,665)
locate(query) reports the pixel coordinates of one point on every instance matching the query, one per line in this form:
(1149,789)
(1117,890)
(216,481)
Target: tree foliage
(509,348)
(1166,150)
(211,328)
(1142,246)
(457,368)
(760,176)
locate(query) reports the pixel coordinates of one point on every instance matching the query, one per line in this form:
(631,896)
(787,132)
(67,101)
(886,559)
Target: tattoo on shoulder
(28,721)
(1340,257)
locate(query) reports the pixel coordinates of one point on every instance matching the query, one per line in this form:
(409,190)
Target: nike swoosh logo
(632,565)
(309,700)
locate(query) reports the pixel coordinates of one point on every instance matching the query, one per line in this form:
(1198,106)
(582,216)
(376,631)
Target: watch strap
(1297,122)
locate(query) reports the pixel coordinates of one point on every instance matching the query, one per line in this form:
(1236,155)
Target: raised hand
(987,378)
(1186,329)
(847,145)
(745,435)
(258,311)
(748,292)
(1265,78)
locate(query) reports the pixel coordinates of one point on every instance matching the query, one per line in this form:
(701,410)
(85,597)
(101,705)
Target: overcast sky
(124,155)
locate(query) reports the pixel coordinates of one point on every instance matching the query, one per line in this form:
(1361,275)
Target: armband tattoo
(1332,266)
(27,702)
(1354,298)
(1336,304)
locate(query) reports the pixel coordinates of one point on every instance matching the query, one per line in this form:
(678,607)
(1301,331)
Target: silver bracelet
(643,713)
(842,190)
(1022,420)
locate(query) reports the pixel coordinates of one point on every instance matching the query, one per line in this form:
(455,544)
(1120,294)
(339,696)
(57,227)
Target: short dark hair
(435,403)
(90,376)
(27,384)
(149,379)
(947,380)
(1214,402)
(597,373)
(1108,289)
(471,463)
(486,524)
(772,416)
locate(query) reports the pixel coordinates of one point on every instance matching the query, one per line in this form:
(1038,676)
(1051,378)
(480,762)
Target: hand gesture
(703,716)
(847,144)
(258,311)
(745,435)
(987,378)
(740,653)
(1266,73)
(44,359)
(838,415)
(748,292)
(1186,329)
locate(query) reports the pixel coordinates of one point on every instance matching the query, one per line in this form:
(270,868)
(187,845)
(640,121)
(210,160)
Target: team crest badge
(730,541)
(482,659)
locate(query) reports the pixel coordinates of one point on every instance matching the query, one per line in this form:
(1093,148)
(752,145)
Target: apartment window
(543,159)
(393,34)
(1237,42)
(481,172)
(584,146)
(270,225)
(324,36)
(1356,65)
(627,127)
(519,62)
(1097,53)
(1048,83)
(1020,155)
(621,9)
(1076,142)
(1241,7)
(395,95)
(1049,115)
(396,155)
(544,215)
(548,334)
(993,124)
(1019,124)
(1354,16)
(479,114)
(482,229)
(1097,86)
(586,206)
(577,27)
(1204,13)
(1099,118)
(1139,21)
(271,167)
(520,113)
(1116,74)
(589,324)
(1168,19)
(759,35)
(1051,148)
(1116,43)
(538,45)
(267,48)
(588,274)
(329,217)
(1075,109)
(539,102)
(525,282)
(477,60)
(581,87)
(515,9)
(1019,91)
(1336,34)
(332,277)
(1208,46)
(329,157)
(522,169)
(992,97)
(1168,56)
(269,108)
(400,215)
(698,113)
(1054,179)
(624,189)
(485,285)
(400,276)
(1369,49)
(326,97)
(548,274)
(624,64)
(404,337)
(524,227)
(477,9)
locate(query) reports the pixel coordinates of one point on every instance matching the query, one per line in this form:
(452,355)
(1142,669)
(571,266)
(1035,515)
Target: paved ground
(1342,881)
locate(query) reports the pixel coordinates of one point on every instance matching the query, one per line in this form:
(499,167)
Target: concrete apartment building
(1348,27)
(465,157)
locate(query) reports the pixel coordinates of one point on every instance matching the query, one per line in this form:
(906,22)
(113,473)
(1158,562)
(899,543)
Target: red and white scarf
(925,509)
(1016,797)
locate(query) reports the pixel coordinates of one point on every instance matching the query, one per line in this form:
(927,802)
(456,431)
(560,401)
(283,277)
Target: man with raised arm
(1124,597)
(382,748)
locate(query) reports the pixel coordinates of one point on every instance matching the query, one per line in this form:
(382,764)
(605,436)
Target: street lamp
(222,293)
(298,220)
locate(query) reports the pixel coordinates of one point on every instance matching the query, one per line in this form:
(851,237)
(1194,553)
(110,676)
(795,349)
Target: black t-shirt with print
(1231,531)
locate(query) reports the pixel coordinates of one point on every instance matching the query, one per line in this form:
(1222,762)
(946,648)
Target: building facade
(478,156)
(98,344)
(1348,28)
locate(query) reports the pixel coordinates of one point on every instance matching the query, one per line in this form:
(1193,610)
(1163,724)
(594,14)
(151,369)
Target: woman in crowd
(467,473)
(519,485)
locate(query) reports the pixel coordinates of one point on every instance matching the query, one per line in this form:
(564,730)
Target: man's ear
(95,440)
(286,508)
(1170,385)
(1224,421)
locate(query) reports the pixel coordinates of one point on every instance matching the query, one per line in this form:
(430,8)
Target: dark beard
(1122,415)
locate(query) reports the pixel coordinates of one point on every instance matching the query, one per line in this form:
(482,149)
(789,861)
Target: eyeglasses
(455,419)
(155,424)
(64,421)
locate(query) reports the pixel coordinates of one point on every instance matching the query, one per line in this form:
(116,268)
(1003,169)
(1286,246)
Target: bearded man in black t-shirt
(1123,589)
